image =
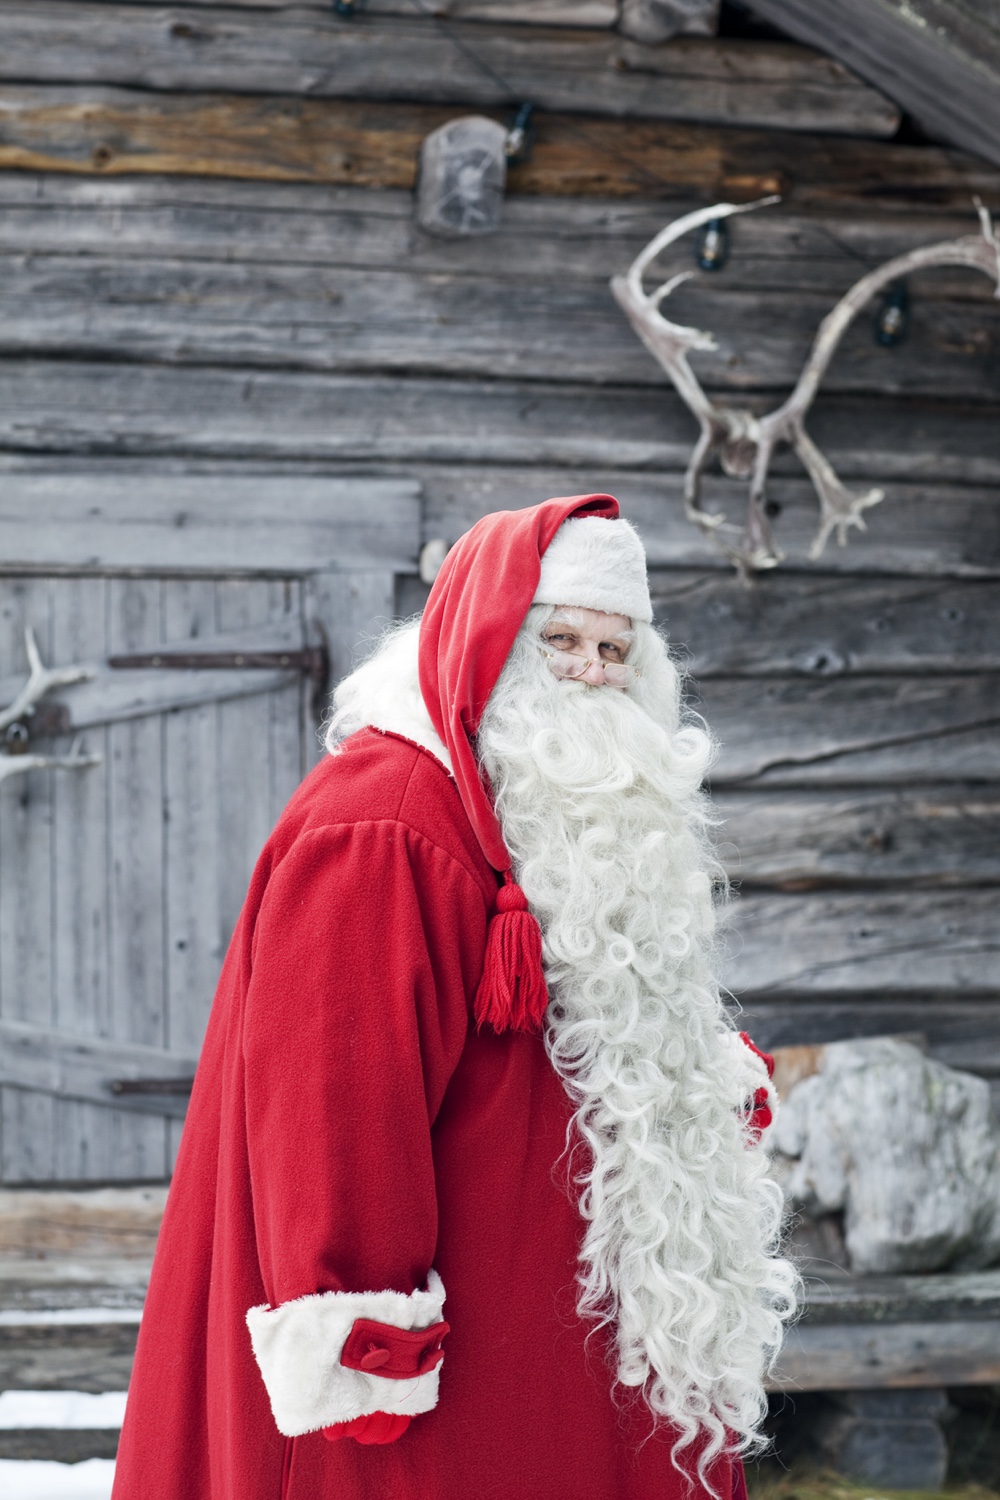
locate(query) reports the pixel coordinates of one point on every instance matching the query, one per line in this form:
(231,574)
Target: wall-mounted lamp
(463,173)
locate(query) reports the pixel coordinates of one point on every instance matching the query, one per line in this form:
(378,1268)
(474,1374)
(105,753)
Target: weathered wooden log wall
(211,285)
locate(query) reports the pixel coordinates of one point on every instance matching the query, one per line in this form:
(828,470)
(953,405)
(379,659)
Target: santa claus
(470,1201)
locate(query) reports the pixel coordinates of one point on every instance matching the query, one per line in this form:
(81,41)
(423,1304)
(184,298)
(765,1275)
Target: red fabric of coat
(352,1132)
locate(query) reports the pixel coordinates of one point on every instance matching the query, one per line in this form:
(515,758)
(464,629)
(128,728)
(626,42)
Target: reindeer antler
(725,430)
(42,680)
(744,442)
(76,760)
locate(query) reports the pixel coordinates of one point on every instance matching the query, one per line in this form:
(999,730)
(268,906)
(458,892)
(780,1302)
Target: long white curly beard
(598,796)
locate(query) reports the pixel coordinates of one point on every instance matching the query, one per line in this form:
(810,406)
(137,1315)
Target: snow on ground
(15,1317)
(33,1409)
(35,1479)
(42,1479)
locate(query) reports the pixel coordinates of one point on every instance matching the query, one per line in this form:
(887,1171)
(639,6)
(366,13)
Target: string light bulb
(520,136)
(892,322)
(713,247)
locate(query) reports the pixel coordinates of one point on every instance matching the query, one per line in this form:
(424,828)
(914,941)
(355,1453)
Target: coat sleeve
(366,952)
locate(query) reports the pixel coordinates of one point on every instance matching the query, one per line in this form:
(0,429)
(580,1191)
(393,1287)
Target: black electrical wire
(467,52)
(513,98)
(470,54)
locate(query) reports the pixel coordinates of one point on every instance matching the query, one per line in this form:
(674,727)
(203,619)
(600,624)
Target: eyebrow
(617,635)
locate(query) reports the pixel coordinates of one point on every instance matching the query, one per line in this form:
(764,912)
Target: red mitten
(376,1427)
(759,1117)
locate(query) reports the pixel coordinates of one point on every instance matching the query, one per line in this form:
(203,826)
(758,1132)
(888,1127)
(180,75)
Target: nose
(594,673)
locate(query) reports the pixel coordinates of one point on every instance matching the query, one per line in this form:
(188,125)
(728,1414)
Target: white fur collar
(384,693)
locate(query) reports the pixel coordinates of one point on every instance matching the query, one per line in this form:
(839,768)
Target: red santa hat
(486,586)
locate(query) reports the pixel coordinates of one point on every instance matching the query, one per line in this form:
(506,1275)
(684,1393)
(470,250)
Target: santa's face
(587,645)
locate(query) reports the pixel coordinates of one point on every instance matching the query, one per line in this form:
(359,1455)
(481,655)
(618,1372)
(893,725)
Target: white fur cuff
(297,1347)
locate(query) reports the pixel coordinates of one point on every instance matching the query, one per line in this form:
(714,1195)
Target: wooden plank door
(120,884)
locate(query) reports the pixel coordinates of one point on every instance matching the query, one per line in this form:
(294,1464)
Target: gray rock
(891,1438)
(905,1147)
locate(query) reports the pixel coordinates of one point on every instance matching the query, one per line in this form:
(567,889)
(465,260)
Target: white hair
(384,691)
(598,793)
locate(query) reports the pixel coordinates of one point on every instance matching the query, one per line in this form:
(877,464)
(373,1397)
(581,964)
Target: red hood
(475,609)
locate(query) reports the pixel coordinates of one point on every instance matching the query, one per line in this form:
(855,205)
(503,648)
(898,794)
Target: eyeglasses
(617,674)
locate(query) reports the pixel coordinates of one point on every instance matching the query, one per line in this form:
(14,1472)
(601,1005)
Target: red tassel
(512,994)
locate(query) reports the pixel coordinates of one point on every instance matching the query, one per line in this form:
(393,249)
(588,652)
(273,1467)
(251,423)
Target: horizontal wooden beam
(949,531)
(113,1222)
(347,319)
(317,54)
(942,1297)
(844,1357)
(71,1066)
(103,131)
(69,1445)
(33,1289)
(553,239)
(599,13)
(92,1357)
(837,731)
(114,695)
(92,408)
(800,841)
(870,944)
(208,523)
(114,698)
(961,1033)
(917,530)
(827,627)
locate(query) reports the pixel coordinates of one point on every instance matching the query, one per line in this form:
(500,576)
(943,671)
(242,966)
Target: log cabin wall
(213,293)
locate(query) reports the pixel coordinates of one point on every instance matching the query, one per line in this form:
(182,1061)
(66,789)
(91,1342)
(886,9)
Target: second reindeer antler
(744,442)
(41,680)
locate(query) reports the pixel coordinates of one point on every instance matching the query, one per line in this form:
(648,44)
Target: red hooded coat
(356,1148)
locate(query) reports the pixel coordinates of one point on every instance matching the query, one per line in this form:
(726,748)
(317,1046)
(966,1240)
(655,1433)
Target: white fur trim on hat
(594,563)
(297,1347)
